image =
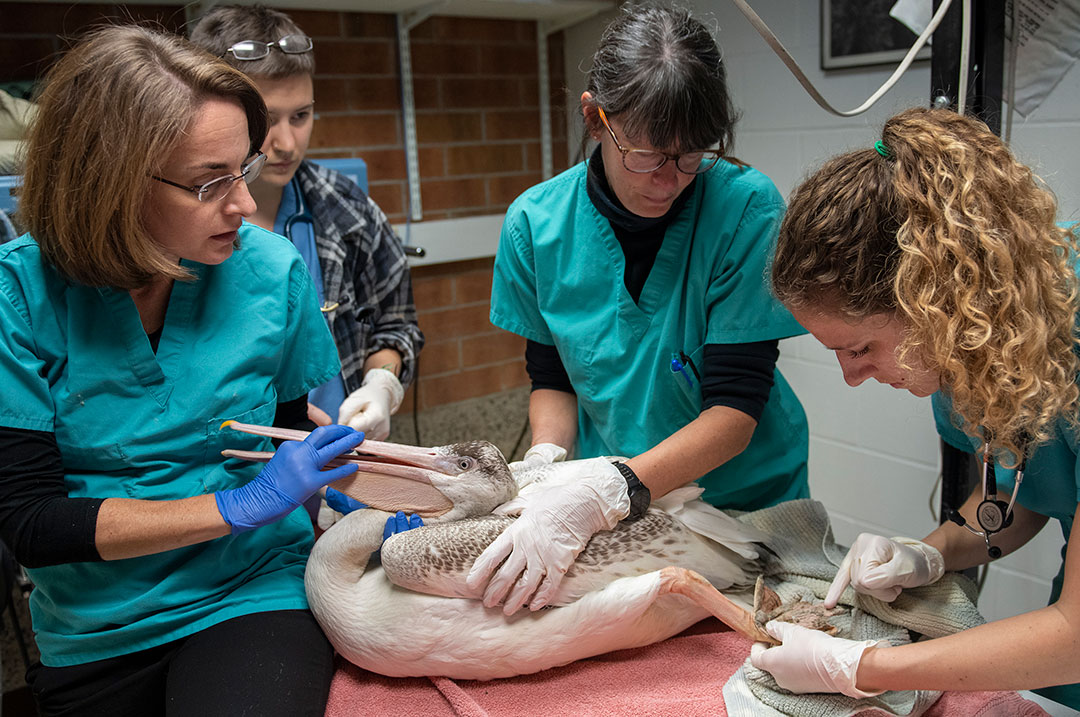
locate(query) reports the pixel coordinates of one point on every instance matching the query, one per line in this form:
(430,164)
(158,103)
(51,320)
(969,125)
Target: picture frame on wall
(861,33)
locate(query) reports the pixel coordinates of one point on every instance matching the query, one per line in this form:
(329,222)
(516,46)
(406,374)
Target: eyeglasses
(643,161)
(253,50)
(218,188)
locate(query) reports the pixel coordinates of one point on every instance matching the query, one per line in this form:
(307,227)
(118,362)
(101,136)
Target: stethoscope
(303,215)
(993,515)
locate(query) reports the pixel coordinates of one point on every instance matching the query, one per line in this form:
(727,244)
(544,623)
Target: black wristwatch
(640,497)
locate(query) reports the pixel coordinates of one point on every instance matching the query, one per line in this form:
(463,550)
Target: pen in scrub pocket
(688,362)
(679,368)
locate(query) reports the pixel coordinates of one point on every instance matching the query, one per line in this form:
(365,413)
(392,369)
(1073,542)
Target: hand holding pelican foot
(553,528)
(812,661)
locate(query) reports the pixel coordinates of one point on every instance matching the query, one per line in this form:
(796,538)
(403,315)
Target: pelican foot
(767,606)
(691,585)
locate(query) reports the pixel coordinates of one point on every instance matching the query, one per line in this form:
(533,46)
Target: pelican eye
(465,463)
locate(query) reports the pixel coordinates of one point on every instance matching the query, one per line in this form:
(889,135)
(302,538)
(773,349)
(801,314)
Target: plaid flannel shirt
(364,270)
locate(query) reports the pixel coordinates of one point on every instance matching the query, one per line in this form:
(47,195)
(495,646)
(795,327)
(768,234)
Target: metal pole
(408,111)
(546,163)
(986,69)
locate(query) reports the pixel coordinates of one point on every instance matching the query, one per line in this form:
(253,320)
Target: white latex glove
(539,455)
(542,544)
(369,407)
(811,660)
(882,567)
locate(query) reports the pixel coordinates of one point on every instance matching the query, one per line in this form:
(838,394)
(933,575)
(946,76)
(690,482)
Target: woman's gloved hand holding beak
(291,477)
(553,528)
(369,407)
(812,661)
(882,567)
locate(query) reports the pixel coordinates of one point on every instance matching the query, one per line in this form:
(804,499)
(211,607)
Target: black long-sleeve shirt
(39,522)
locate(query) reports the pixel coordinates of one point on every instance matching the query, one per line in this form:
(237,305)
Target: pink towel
(682,677)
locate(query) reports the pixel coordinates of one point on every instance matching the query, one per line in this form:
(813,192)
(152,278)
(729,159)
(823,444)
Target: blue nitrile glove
(341,502)
(400,523)
(291,477)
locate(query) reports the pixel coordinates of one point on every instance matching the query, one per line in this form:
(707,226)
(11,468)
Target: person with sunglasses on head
(355,258)
(931,262)
(140,313)
(637,279)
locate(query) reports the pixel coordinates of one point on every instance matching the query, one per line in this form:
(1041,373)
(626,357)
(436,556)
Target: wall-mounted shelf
(548,11)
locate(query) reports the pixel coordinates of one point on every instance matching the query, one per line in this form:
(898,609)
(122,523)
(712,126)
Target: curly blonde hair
(957,239)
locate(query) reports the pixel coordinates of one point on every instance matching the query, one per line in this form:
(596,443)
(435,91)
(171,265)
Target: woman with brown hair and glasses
(932,262)
(141,312)
(637,279)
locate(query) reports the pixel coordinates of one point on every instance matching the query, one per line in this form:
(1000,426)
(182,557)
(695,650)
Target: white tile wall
(874,452)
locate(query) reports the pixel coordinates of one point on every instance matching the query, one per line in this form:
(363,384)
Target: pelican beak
(390,476)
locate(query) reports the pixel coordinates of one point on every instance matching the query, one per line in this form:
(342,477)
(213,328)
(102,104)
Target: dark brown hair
(226,25)
(660,71)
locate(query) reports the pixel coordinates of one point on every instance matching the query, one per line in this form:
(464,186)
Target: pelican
(408,612)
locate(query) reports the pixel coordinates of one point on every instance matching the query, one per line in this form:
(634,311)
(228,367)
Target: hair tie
(882,149)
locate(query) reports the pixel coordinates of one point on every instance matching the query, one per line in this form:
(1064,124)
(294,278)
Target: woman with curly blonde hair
(932,262)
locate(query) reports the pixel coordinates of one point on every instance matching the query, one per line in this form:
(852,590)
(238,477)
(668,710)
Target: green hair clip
(882,149)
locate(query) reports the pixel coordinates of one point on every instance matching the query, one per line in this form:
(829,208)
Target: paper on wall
(915,14)
(1048,44)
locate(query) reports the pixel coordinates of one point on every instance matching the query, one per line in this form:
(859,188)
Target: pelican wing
(436,558)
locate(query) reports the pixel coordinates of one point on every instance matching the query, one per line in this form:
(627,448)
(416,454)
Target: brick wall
(476,90)
(465,355)
(33,34)
(476,93)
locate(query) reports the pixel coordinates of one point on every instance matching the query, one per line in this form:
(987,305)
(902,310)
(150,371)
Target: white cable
(1014,47)
(788,60)
(965,53)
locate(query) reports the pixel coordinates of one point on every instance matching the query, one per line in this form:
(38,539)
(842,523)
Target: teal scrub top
(1051,487)
(130,423)
(1051,484)
(559,281)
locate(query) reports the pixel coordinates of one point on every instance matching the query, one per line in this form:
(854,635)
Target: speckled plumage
(437,558)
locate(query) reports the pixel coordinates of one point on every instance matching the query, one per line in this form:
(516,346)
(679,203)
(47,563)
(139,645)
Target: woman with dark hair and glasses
(140,313)
(637,279)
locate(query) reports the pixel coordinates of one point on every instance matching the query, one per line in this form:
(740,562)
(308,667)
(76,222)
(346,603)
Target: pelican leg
(691,585)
